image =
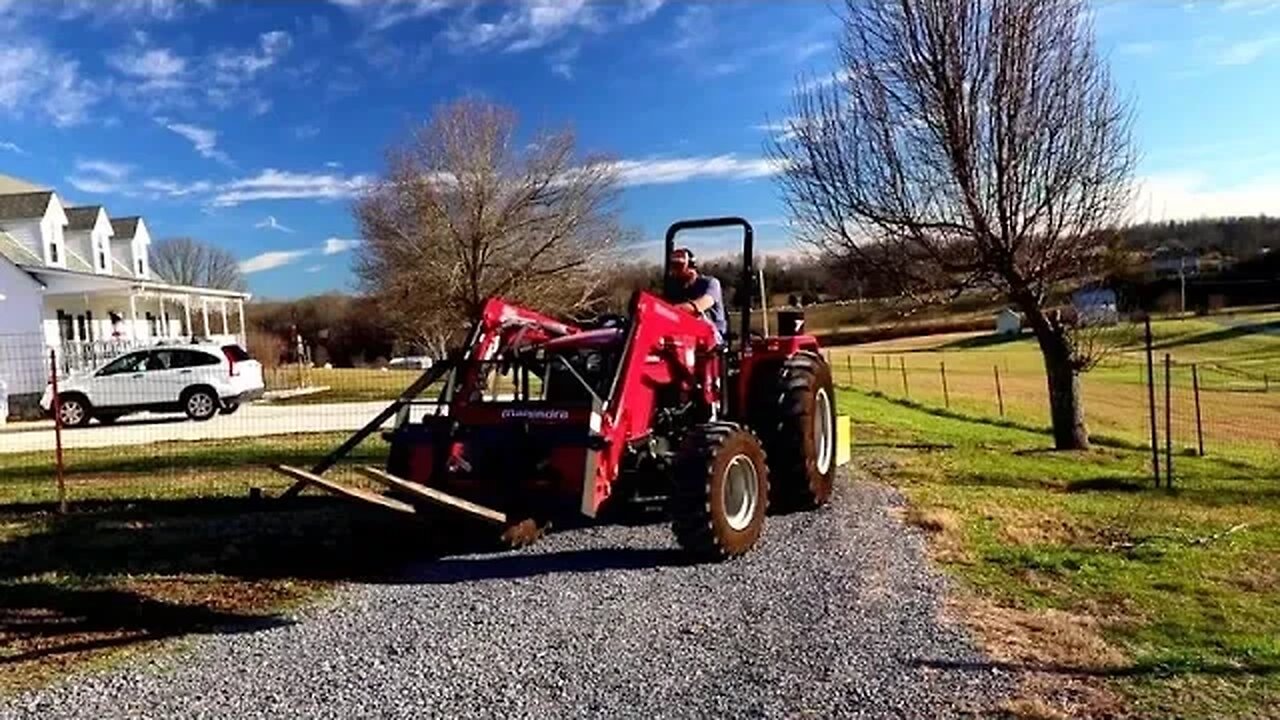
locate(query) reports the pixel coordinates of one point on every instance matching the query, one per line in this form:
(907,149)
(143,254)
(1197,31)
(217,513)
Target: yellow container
(844,439)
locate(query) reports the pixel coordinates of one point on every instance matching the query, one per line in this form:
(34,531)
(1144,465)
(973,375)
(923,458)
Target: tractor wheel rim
(823,443)
(200,404)
(741,492)
(72,412)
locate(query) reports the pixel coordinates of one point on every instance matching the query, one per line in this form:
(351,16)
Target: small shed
(1008,322)
(1096,305)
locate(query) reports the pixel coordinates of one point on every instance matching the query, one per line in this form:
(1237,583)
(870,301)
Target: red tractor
(540,420)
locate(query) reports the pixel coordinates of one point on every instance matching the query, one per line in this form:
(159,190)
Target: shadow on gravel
(523,565)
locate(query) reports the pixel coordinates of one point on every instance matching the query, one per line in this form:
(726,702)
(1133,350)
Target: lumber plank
(433,495)
(306,478)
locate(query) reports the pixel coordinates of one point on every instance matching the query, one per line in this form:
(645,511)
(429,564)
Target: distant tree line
(1239,237)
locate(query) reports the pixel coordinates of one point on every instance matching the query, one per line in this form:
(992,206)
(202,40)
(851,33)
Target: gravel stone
(834,615)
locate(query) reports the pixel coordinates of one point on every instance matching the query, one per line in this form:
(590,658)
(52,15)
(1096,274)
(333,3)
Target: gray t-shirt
(705,285)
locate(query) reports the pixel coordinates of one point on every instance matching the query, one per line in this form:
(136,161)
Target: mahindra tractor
(539,420)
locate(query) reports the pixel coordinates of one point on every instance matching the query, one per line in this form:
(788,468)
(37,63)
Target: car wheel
(230,408)
(200,404)
(73,411)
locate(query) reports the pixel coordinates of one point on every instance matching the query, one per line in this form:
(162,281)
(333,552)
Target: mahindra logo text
(535,414)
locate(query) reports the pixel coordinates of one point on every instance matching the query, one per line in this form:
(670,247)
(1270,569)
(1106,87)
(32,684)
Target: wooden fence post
(1195,387)
(1151,405)
(946,395)
(1168,422)
(999,390)
(875,374)
(906,389)
(848,364)
(57,432)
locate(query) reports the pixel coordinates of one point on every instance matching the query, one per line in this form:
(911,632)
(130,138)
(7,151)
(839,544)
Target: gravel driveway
(835,615)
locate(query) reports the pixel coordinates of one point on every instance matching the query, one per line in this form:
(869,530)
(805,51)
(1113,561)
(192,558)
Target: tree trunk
(1065,408)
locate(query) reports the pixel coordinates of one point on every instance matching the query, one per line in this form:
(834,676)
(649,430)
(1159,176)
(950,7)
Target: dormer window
(102,257)
(54,253)
(142,267)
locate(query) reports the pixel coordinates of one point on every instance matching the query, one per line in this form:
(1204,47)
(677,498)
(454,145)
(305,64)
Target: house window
(152,329)
(65,327)
(141,267)
(102,259)
(53,253)
(80,325)
(89,324)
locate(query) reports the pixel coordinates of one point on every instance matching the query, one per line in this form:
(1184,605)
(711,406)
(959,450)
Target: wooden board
(844,440)
(434,496)
(302,476)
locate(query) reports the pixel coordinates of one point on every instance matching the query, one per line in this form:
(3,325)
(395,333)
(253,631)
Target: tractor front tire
(800,433)
(720,491)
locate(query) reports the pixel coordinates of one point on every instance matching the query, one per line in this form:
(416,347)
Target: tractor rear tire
(800,433)
(720,491)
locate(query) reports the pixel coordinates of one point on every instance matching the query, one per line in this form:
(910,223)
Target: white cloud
(1138,48)
(640,10)
(175,189)
(32,77)
(204,140)
(236,67)
(271,260)
(663,171)
(807,50)
(158,68)
(12,147)
(1248,51)
(382,14)
(334,246)
(313,269)
(107,168)
(1190,195)
(333,164)
(131,11)
(306,132)
(270,223)
(272,184)
(95,185)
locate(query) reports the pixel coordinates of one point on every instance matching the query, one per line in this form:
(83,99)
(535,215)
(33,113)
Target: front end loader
(540,421)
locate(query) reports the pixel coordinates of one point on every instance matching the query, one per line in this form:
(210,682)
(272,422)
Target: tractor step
(434,496)
(304,477)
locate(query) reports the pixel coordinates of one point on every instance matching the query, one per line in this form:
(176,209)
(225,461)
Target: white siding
(52,226)
(122,252)
(141,248)
(81,243)
(22,347)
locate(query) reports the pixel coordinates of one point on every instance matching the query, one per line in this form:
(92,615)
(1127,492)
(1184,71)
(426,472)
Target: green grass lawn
(1076,565)
(1236,357)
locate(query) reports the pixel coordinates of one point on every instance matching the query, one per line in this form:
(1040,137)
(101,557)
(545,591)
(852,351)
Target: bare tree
(466,211)
(186,261)
(968,143)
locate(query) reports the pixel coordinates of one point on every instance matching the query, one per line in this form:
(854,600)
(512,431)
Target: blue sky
(251,124)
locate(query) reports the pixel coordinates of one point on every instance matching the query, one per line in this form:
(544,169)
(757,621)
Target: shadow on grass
(114,575)
(43,620)
(982,341)
(1130,484)
(1154,670)
(1228,333)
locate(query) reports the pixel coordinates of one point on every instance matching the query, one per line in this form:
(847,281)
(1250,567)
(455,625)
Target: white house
(77,282)
(1008,322)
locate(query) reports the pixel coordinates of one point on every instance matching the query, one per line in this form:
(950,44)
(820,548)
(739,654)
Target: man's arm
(705,301)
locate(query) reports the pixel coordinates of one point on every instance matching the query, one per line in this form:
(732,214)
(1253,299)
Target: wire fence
(135,436)
(1202,405)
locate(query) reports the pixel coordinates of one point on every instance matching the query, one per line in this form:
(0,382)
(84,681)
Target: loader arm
(664,349)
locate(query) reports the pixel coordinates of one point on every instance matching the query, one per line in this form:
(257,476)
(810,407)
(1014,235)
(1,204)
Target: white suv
(200,380)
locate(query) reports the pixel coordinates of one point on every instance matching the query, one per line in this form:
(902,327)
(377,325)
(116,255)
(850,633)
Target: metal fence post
(999,390)
(906,389)
(1168,422)
(1195,387)
(57,432)
(1151,405)
(946,395)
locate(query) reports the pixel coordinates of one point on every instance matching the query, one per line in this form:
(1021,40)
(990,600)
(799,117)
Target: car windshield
(134,362)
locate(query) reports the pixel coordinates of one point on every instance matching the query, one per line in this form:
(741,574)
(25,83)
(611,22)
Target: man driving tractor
(696,293)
